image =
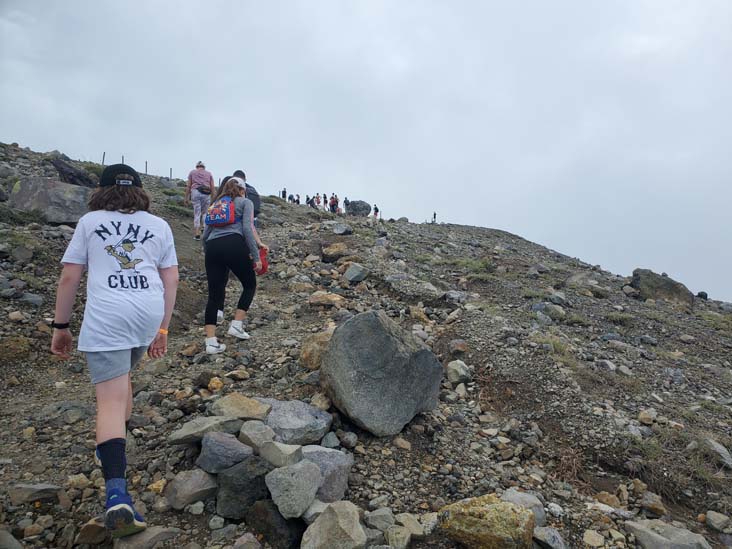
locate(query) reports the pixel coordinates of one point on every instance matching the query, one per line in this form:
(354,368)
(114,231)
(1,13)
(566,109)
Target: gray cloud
(598,129)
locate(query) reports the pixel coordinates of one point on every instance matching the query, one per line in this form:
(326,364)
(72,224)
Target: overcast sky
(600,129)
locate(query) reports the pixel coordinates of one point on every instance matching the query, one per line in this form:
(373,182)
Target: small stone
(314,511)
(338,526)
(92,533)
(255,434)
(281,455)
(608,499)
(411,523)
(458,372)
(247,541)
(548,538)
(593,539)
(243,407)
(647,416)
(717,521)
(398,537)
(458,346)
(197,508)
(147,539)
(216,522)
(402,444)
(380,519)
(215,384)
(194,430)
(189,487)
(293,488)
(16,316)
(27,493)
(220,451)
(653,504)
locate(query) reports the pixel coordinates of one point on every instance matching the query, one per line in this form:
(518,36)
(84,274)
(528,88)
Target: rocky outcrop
(655,286)
(379,375)
(58,202)
(73,175)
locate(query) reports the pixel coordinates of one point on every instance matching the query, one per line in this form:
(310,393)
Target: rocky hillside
(556,404)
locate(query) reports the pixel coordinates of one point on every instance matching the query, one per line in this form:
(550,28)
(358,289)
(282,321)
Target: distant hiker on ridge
(199,190)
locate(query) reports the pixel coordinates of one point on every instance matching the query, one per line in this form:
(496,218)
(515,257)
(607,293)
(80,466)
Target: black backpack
(253,195)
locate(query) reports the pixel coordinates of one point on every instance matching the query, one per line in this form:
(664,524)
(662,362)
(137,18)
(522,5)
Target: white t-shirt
(124,292)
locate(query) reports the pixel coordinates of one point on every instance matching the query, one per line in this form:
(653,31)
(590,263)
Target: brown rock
(313,349)
(92,533)
(334,252)
(326,299)
(190,350)
(608,499)
(486,522)
(653,504)
(238,405)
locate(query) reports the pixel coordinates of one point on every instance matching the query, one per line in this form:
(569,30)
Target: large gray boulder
(379,375)
(656,534)
(58,202)
(359,208)
(296,422)
(651,285)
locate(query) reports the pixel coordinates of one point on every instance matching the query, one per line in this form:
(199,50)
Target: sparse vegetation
(718,321)
(93,167)
(180,210)
(574,319)
(532,293)
(620,319)
(671,465)
(560,349)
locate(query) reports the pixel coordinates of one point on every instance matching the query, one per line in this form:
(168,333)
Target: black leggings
(224,254)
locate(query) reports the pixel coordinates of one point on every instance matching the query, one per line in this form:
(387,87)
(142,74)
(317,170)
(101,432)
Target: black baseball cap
(120,174)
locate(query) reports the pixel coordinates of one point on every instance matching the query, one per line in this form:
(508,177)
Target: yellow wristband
(163,331)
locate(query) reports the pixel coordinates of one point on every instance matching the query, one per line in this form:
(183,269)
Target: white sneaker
(215,349)
(219,316)
(237,332)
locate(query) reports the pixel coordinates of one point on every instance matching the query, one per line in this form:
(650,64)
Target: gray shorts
(106,365)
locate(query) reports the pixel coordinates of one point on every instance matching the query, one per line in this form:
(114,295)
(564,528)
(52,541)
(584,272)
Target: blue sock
(118,484)
(112,455)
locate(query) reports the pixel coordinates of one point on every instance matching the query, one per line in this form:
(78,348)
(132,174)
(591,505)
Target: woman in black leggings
(235,248)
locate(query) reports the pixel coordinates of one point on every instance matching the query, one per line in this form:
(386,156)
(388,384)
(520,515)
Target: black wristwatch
(59,325)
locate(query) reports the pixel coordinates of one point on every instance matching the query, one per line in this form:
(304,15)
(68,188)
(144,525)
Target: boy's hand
(258,266)
(159,346)
(61,343)
(264,247)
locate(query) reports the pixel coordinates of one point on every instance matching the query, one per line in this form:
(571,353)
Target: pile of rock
(266,462)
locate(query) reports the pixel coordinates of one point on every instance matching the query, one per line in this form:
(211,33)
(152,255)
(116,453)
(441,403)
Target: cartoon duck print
(121,252)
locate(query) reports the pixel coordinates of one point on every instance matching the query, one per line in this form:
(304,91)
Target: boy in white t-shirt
(132,281)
